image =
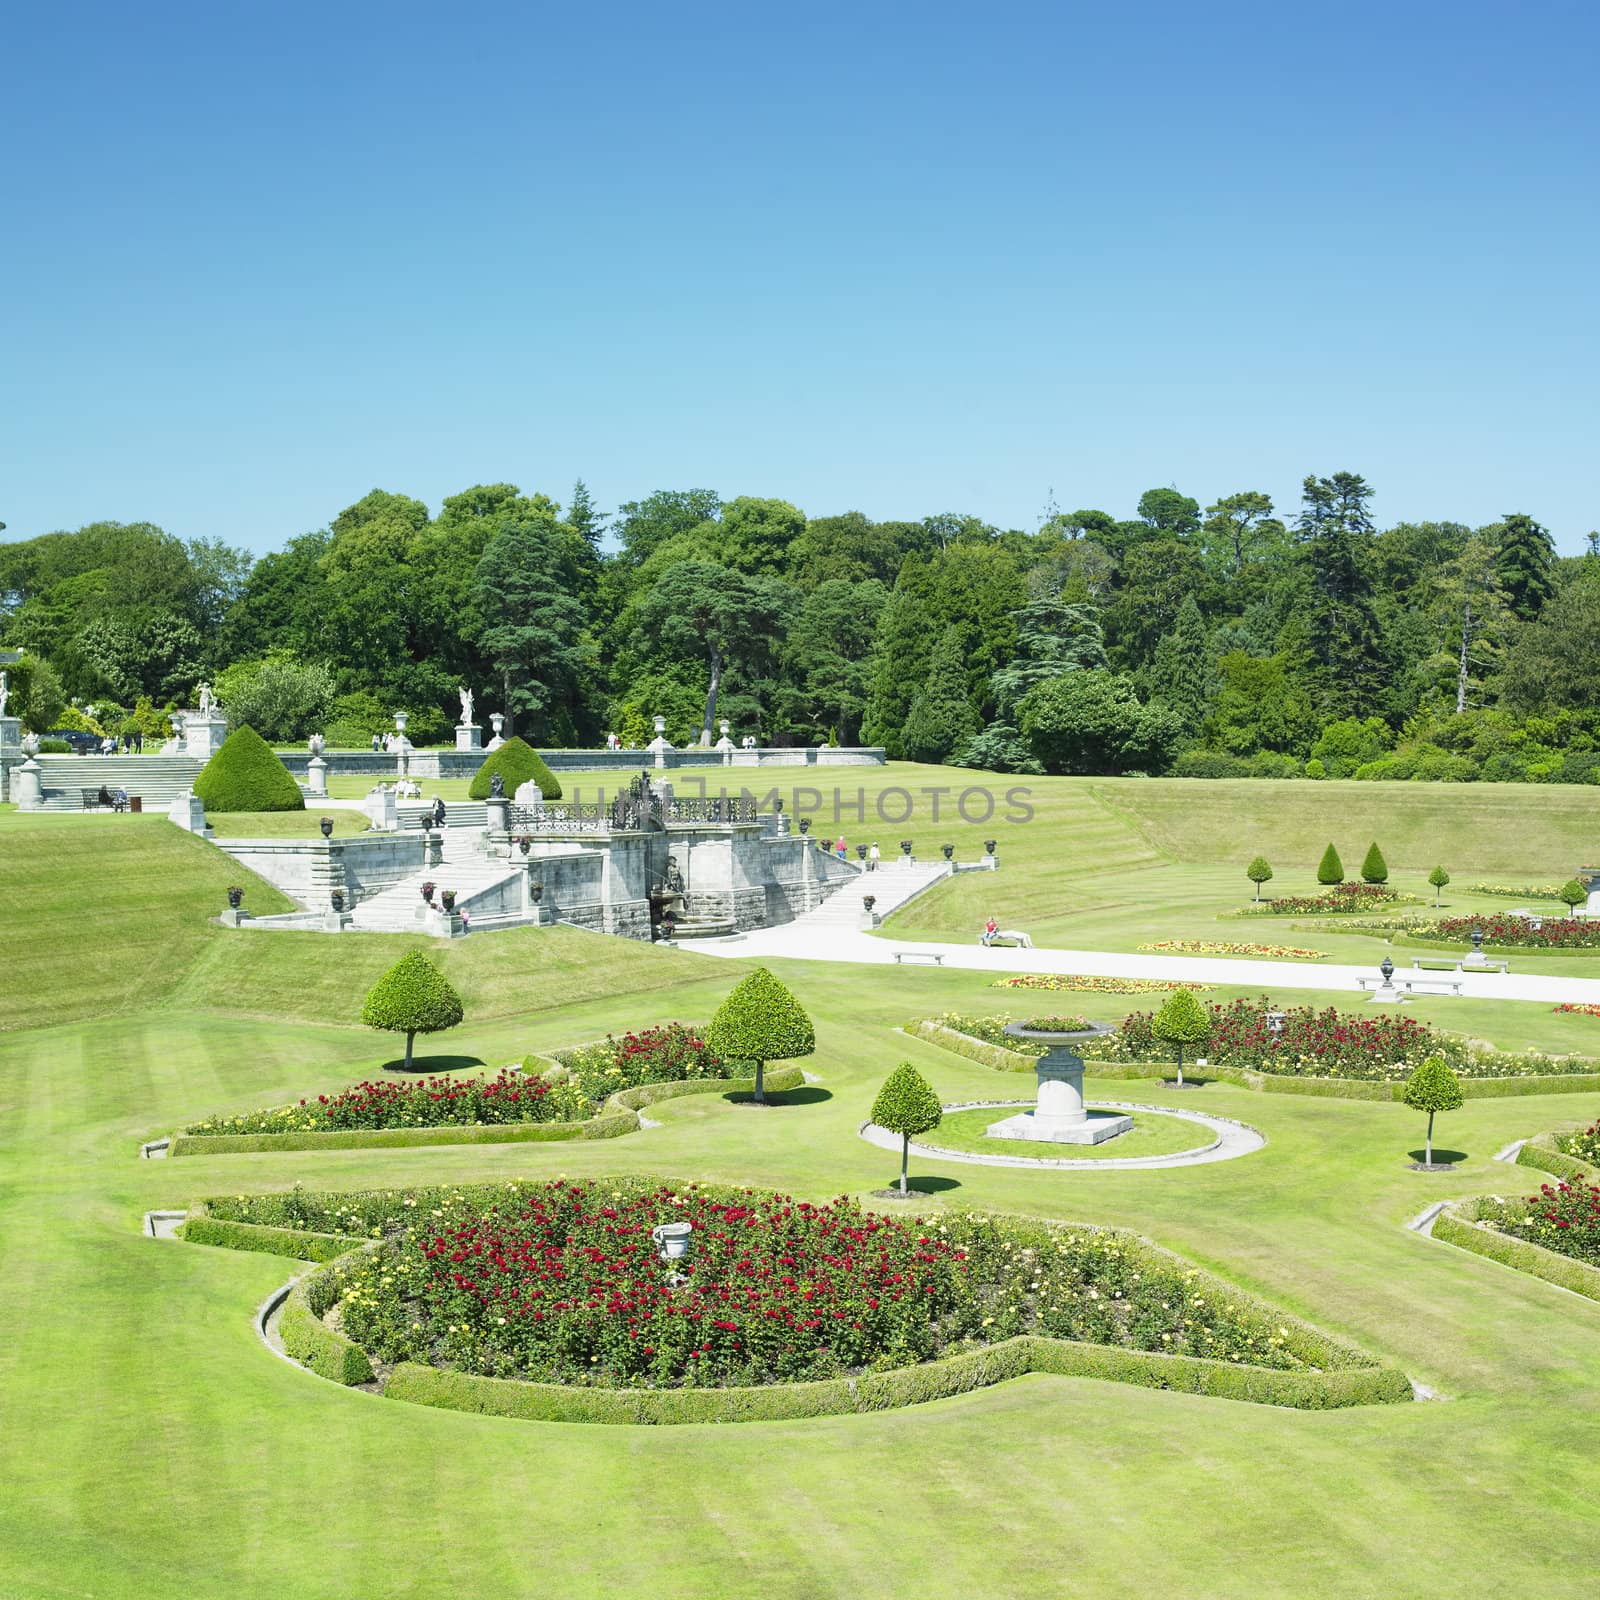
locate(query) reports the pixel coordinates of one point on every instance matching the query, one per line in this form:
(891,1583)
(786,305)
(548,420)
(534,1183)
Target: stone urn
(868,901)
(905,848)
(1059,1115)
(235,896)
(536,891)
(524,844)
(316,744)
(447,898)
(988,846)
(327,827)
(427,893)
(337,898)
(861,852)
(805,824)
(949,850)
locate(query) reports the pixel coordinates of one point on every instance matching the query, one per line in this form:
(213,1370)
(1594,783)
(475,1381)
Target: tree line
(1212,641)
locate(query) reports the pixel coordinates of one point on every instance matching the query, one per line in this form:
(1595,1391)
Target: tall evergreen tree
(1335,530)
(584,519)
(899,660)
(941,716)
(1178,674)
(1525,558)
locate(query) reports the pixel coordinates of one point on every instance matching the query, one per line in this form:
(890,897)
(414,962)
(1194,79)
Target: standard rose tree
(1259,872)
(906,1105)
(1438,878)
(1433,1087)
(1181,1020)
(412,997)
(761,1022)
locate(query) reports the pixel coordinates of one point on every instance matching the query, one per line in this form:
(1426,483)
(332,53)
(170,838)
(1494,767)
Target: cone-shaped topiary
(1438,878)
(1573,893)
(1259,872)
(244,775)
(1432,1087)
(412,997)
(1181,1020)
(1374,869)
(906,1105)
(1332,868)
(761,1022)
(518,763)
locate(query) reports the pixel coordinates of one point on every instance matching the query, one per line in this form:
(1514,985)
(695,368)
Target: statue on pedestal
(466,706)
(207,703)
(5,692)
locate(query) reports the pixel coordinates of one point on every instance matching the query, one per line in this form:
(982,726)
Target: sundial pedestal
(1060,1116)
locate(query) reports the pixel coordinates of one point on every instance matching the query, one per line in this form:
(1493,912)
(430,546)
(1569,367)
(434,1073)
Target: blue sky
(903,259)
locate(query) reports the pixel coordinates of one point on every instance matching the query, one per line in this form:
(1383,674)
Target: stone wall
(307,869)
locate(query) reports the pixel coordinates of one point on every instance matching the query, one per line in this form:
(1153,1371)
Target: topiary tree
(906,1105)
(1432,1087)
(412,997)
(1374,869)
(1438,878)
(518,763)
(761,1022)
(1259,872)
(1181,1020)
(1331,870)
(244,775)
(1573,894)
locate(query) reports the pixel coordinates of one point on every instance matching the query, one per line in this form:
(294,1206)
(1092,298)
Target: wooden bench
(1458,964)
(935,956)
(1413,985)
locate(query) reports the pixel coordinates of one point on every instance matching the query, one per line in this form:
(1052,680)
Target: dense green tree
(1052,637)
(1093,722)
(1335,529)
(1179,672)
(1525,555)
(1374,869)
(725,618)
(412,997)
(761,1021)
(281,697)
(1432,1087)
(1240,529)
(828,657)
(941,716)
(1170,512)
(531,627)
(642,525)
(1330,870)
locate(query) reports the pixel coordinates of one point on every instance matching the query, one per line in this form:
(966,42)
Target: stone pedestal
(1060,1116)
(335,921)
(869,921)
(469,736)
(203,733)
(1387,994)
(497,809)
(317,778)
(27,787)
(232,918)
(327,872)
(382,809)
(189,812)
(435,852)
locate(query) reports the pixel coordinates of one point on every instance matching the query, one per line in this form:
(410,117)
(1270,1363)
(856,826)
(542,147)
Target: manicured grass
(1151,1135)
(284,824)
(149,1443)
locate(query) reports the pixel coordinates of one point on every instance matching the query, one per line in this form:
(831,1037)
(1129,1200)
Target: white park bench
(1458,964)
(936,957)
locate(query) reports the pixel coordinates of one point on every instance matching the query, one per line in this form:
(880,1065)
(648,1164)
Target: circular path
(1231,1139)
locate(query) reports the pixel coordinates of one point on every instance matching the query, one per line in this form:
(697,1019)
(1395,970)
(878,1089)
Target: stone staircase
(465,869)
(156,780)
(892,885)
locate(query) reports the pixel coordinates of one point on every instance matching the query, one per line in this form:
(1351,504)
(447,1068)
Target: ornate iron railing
(712,808)
(636,807)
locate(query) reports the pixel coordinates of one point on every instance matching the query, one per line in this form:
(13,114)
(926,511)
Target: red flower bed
(1564,1217)
(1553,933)
(564,1282)
(386,1104)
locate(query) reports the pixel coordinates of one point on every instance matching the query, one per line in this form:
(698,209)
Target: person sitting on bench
(104,797)
(119,801)
(990,929)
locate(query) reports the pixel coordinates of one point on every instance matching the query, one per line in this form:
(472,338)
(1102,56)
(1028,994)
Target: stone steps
(891,886)
(155,779)
(395,909)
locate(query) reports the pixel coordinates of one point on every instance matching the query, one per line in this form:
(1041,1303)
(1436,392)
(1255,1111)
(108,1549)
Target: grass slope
(106,913)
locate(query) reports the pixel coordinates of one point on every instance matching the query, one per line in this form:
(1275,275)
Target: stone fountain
(1060,1116)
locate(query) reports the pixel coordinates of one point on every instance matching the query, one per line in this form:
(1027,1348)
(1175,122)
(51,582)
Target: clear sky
(256,260)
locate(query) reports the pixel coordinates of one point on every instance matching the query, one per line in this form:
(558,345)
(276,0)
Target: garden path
(795,941)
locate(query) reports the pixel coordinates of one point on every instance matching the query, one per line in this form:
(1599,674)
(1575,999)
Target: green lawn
(149,1444)
(1151,1135)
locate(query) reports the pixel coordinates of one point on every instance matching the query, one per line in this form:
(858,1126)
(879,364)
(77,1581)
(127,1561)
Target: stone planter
(1059,1115)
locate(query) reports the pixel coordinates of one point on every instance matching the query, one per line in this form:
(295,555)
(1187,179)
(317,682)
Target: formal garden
(544,1196)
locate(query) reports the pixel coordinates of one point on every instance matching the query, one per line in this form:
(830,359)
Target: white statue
(206,702)
(5,692)
(466,707)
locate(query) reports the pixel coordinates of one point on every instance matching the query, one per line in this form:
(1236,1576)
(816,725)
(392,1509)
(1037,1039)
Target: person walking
(872,857)
(138,743)
(840,849)
(438,812)
(377,745)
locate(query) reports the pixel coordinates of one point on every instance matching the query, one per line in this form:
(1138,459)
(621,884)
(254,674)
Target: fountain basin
(1060,1116)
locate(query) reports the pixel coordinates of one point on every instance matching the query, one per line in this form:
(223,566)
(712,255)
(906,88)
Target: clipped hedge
(1458,1225)
(902,1386)
(1540,1152)
(245,775)
(518,763)
(1003,1060)
(202,1229)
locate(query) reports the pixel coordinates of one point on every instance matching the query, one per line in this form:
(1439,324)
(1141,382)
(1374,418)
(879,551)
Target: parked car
(82,743)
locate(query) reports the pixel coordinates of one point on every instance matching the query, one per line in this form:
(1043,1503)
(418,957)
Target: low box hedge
(1458,1224)
(1540,1152)
(606,1126)
(298,1246)
(902,1386)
